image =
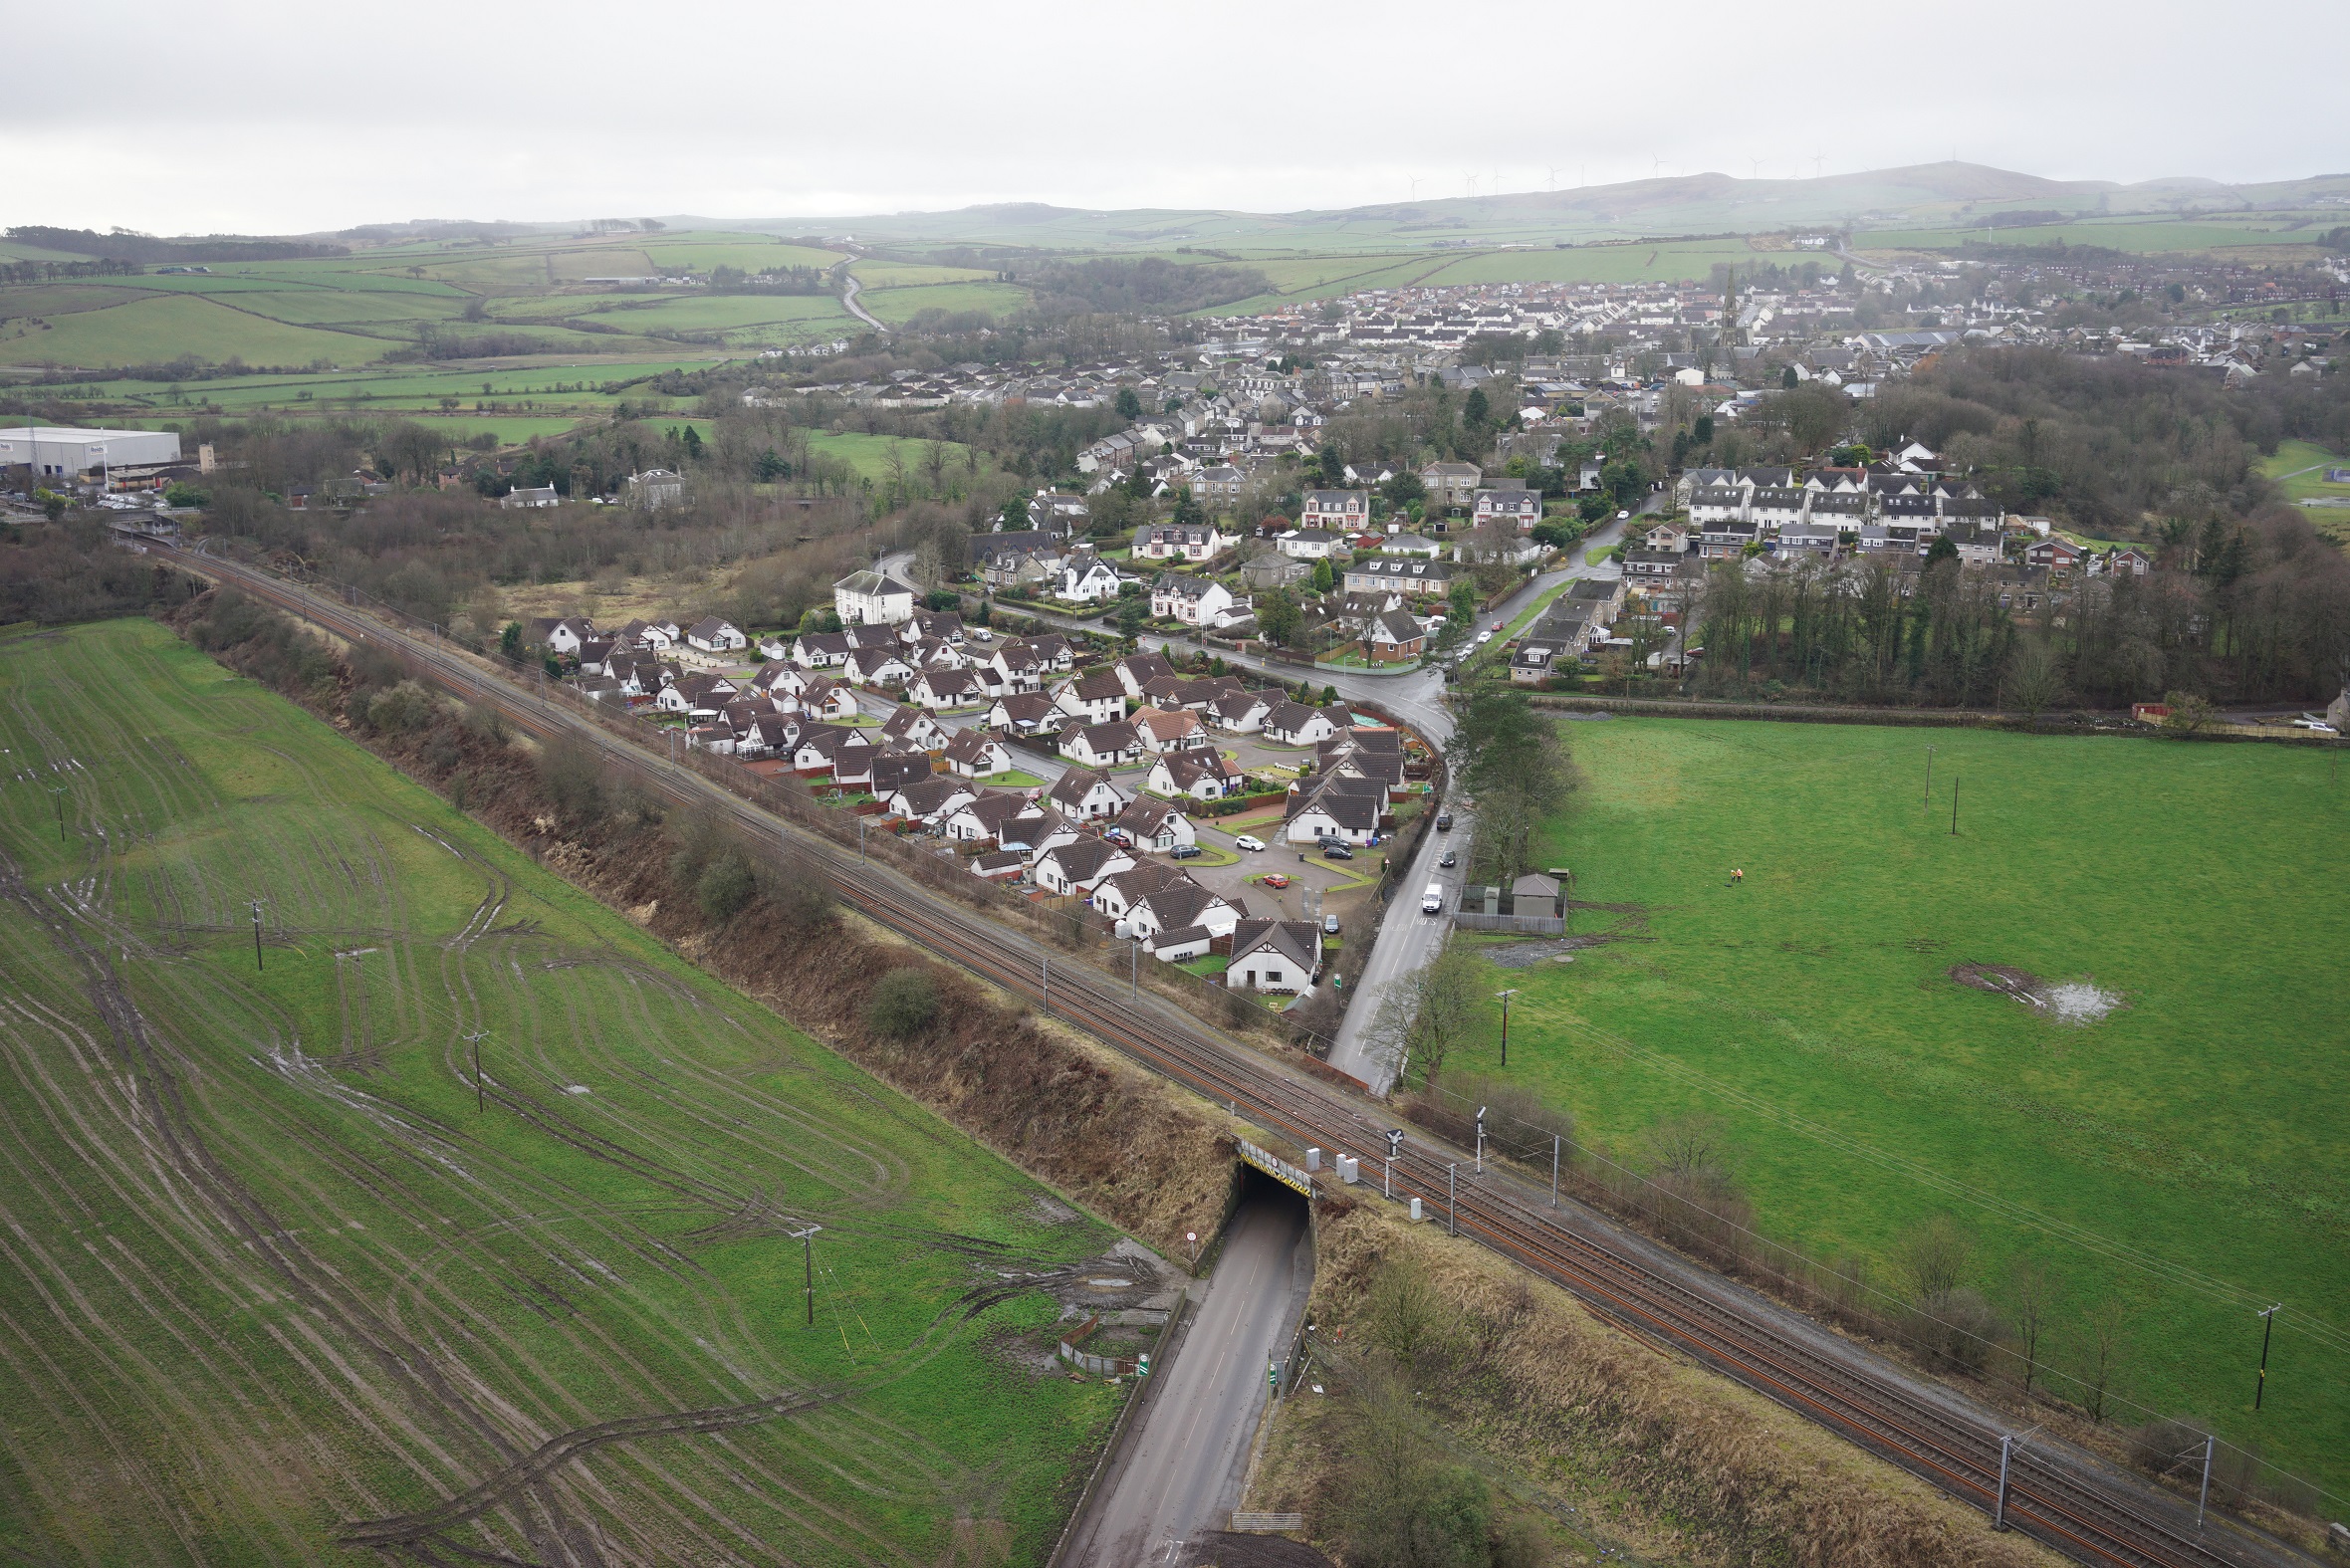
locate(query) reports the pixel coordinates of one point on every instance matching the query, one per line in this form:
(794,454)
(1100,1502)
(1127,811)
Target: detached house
(1101,745)
(1294,723)
(1165,731)
(1087,794)
(975,754)
(1402,574)
(562,637)
(1080,867)
(1154,824)
(1199,772)
(872,599)
(716,636)
(1097,697)
(1514,504)
(1195,601)
(1336,511)
(1240,712)
(878,667)
(1274,955)
(1451,484)
(1180,541)
(938,690)
(1025,713)
(1394,635)
(1348,816)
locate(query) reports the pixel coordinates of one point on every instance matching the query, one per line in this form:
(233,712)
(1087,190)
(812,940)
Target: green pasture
(877,274)
(2299,470)
(2182,1157)
(895,304)
(269,1272)
(152,331)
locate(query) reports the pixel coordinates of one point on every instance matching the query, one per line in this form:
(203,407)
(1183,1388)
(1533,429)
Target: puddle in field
(2077,1002)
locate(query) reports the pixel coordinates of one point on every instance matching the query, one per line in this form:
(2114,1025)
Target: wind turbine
(1471,181)
(1656,166)
(1551,181)
(1754,169)
(1817,161)
(1415,179)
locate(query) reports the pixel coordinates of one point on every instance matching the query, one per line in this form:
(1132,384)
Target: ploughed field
(2102,1028)
(273,1290)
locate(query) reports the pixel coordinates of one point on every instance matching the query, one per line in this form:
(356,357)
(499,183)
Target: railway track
(2054,1493)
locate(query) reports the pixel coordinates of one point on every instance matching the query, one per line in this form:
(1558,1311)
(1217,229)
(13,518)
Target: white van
(1432,901)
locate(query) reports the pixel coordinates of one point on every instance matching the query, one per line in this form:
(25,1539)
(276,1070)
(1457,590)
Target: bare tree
(1425,1015)
(1935,1256)
(2035,680)
(2028,1289)
(2104,1330)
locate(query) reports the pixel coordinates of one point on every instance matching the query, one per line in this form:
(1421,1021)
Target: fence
(1099,1366)
(1522,924)
(1266,1524)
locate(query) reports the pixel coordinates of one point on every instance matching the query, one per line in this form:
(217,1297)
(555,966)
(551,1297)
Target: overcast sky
(281,118)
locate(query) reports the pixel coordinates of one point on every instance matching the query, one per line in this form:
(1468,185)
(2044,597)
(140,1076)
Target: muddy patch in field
(2074,1002)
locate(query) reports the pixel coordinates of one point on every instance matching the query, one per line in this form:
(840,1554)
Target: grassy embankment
(270,1272)
(2181,1157)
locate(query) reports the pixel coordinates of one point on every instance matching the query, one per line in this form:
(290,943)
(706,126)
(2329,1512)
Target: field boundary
(2083,721)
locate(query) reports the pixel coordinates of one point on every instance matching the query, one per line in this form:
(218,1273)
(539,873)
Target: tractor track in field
(442,1405)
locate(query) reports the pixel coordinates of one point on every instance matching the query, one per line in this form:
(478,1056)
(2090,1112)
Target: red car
(1497,626)
(1274,879)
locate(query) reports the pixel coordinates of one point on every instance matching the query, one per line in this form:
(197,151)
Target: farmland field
(152,330)
(2183,1156)
(2299,467)
(266,1274)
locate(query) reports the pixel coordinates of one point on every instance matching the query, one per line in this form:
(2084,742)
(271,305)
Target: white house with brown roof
(1087,794)
(975,754)
(1274,955)
(1079,867)
(1113,745)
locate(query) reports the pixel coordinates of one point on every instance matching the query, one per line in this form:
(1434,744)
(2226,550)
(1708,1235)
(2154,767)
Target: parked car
(1275,880)
(1444,821)
(1336,851)
(2315,726)
(1184,852)
(1448,860)
(1248,841)
(1484,637)
(1497,626)
(1329,925)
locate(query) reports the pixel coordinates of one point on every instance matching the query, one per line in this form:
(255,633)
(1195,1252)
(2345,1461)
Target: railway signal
(1504,997)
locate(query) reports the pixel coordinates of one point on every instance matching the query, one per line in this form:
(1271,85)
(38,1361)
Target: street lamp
(1504,997)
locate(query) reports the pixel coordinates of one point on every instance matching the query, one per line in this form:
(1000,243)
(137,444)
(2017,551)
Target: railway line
(2059,1494)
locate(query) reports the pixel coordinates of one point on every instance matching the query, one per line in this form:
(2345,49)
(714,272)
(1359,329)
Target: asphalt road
(1180,1470)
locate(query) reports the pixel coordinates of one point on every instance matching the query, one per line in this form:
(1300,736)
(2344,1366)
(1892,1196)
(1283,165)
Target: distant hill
(1953,195)
(146,250)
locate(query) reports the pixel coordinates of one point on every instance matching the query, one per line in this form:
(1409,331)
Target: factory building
(60,452)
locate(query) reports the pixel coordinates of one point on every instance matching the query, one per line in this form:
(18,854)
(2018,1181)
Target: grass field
(2299,467)
(2136,234)
(152,330)
(2183,1156)
(265,1273)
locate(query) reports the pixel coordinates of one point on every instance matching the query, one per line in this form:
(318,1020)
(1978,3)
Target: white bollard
(1314,1158)
(1350,1169)
(1416,1217)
